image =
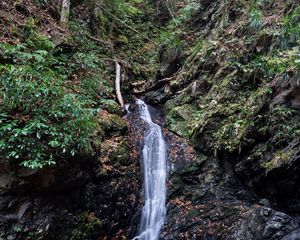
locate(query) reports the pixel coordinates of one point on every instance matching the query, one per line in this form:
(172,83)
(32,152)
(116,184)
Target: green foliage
(87,225)
(290,29)
(36,41)
(255,18)
(198,46)
(42,118)
(114,22)
(95,86)
(189,11)
(281,62)
(279,158)
(171,42)
(123,9)
(80,39)
(283,126)
(171,38)
(40,2)
(114,15)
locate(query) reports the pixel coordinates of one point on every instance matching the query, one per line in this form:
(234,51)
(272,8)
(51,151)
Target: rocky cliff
(234,95)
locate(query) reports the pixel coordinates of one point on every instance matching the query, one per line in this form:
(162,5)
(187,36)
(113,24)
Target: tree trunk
(65,11)
(118,84)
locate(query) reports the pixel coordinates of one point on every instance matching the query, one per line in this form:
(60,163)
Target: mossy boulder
(177,118)
(117,150)
(111,106)
(112,123)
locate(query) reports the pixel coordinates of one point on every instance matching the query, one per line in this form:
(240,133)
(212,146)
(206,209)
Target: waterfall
(155,173)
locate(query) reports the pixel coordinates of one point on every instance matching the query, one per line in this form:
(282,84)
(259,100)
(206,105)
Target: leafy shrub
(189,11)
(255,19)
(290,29)
(283,126)
(41,117)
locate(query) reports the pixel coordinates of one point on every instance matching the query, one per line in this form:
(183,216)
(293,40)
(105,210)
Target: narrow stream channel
(154,164)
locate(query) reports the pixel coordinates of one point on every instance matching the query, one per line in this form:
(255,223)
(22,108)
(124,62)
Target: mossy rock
(88,226)
(181,175)
(112,123)
(178,117)
(281,158)
(111,106)
(121,154)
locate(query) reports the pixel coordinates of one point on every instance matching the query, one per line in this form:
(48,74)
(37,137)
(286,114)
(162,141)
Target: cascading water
(155,173)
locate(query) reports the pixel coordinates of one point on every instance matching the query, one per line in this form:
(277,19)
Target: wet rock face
(279,182)
(45,200)
(114,195)
(295,235)
(265,223)
(203,201)
(206,200)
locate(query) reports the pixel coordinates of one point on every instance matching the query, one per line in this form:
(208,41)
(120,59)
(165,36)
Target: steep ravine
(235,99)
(223,80)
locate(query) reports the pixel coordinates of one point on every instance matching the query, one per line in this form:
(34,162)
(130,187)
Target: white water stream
(155,174)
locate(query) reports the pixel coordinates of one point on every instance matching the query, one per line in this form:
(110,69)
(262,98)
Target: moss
(228,211)
(279,159)
(193,213)
(291,29)
(121,154)
(177,186)
(285,125)
(112,123)
(177,118)
(234,75)
(181,176)
(87,226)
(258,152)
(227,115)
(111,106)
